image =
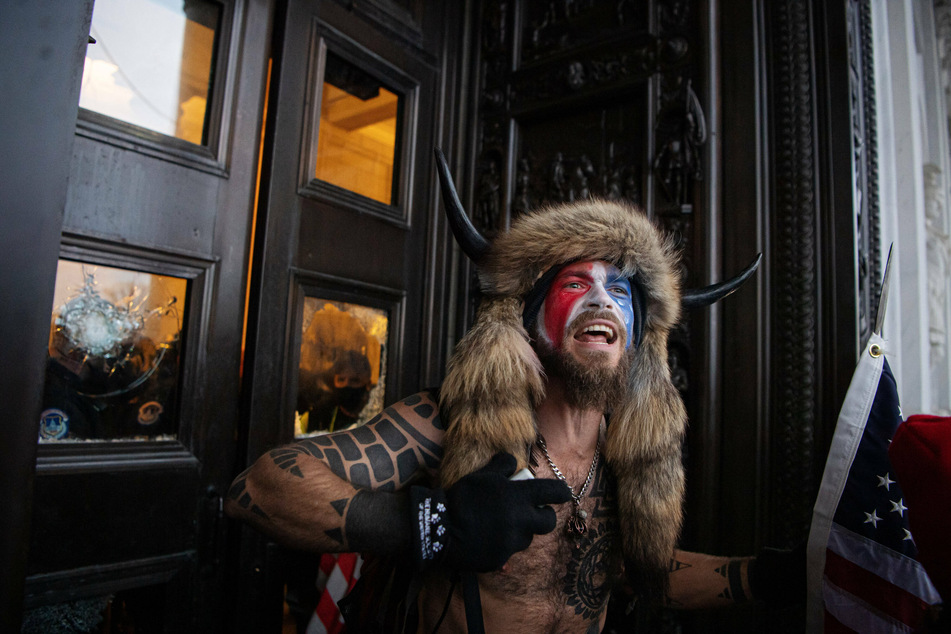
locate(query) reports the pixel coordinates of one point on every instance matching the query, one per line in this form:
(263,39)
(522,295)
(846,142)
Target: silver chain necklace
(577,524)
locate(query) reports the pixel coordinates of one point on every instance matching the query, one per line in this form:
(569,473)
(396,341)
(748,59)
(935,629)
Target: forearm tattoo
(382,456)
(730,573)
(239,493)
(373,521)
(734,583)
(676,566)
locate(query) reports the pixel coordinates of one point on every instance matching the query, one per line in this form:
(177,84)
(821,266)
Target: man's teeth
(600,328)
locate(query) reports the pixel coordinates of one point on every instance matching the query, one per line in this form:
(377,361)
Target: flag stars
(899,507)
(885,481)
(907,537)
(872,518)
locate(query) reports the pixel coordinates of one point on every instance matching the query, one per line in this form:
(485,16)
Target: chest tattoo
(593,562)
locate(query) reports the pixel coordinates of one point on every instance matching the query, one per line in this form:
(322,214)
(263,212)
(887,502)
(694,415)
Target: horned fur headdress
(495,379)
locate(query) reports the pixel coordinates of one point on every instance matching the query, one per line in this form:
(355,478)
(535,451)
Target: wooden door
(350,271)
(140,398)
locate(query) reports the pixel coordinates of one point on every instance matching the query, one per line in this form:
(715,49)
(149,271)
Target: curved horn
(694,298)
(472,243)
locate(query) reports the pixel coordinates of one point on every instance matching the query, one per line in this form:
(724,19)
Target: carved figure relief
(490,192)
(679,162)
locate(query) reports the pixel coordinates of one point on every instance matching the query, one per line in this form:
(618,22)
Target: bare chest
(562,582)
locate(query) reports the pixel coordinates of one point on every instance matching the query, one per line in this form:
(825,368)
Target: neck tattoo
(577,524)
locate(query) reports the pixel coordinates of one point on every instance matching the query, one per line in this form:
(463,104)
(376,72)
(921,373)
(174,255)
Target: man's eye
(573,285)
(620,290)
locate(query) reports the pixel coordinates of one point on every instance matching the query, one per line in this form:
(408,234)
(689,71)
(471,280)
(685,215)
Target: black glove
(778,577)
(484,518)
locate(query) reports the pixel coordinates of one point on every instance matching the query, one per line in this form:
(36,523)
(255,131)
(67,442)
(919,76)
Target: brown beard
(588,385)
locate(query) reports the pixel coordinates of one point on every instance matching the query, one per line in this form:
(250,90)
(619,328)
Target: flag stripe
(873,590)
(904,572)
(852,613)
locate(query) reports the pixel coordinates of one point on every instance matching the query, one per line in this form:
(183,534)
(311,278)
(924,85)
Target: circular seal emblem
(54,424)
(150,412)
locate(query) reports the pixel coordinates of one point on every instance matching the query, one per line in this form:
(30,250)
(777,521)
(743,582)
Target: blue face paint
(619,287)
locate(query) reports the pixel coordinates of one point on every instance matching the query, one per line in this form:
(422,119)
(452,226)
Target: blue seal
(54,424)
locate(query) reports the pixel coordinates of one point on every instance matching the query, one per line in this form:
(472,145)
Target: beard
(589,382)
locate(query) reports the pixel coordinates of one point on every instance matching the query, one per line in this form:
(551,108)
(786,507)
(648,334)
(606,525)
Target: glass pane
(114,348)
(134,611)
(151,64)
(356,140)
(342,365)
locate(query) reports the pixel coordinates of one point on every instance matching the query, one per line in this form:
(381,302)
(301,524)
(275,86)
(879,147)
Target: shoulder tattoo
(384,454)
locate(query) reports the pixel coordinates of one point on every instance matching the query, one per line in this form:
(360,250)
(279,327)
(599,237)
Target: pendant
(577,524)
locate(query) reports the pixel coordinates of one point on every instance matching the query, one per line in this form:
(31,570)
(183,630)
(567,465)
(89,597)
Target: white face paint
(585,286)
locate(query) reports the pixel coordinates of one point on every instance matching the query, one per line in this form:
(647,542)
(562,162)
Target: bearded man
(545,472)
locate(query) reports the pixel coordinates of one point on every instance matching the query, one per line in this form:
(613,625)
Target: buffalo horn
(694,298)
(472,243)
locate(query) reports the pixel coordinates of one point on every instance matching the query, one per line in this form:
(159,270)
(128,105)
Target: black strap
(473,602)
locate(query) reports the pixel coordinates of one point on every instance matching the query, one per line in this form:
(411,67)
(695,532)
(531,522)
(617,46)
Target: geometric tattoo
(734,590)
(239,493)
(593,565)
(675,565)
(383,455)
(587,584)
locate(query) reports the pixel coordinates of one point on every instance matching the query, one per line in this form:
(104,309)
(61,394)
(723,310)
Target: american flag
(338,574)
(863,573)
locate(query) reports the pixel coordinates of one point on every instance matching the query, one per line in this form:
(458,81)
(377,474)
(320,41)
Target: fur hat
(495,379)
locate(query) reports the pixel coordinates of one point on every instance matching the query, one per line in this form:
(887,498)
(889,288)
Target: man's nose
(598,297)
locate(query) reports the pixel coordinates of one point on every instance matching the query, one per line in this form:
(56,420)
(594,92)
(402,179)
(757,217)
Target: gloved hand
(484,518)
(778,577)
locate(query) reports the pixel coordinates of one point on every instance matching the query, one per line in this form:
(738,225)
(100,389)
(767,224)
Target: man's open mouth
(597,333)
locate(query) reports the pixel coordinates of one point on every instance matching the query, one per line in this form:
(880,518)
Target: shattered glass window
(114,360)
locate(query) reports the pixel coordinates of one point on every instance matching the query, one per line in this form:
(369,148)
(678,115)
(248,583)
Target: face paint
(582,286)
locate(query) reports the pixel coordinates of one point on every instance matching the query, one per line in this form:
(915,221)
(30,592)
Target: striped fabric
(338,573)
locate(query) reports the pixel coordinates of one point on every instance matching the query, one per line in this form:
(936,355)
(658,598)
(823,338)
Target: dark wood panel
(742,316)
(326,232)
(144,513)
(124,195)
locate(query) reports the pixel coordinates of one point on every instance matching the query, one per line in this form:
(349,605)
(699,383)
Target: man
(565,374)
(336,402)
